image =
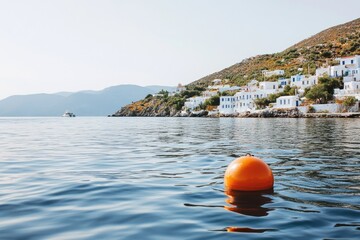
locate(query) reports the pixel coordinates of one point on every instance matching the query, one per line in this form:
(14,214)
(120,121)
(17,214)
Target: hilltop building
(223,88)
(180,88)
(268,73)
(216,81)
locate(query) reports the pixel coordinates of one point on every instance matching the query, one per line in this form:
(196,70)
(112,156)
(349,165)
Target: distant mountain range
(83,103)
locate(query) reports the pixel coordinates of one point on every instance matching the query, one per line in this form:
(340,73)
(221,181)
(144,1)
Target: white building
(348,67)
(269,86)
(287,102)
(223,88)
(216,81)
(320,72)
(277,72)
(180,88)
(283,82)
(209,93)
(253,82)
(352,87)
(227,105)
(352,75)
(351,62)
(244,100)
(302,81)
(194,102)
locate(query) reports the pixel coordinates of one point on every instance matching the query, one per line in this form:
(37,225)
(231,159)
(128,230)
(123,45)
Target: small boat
(68,114)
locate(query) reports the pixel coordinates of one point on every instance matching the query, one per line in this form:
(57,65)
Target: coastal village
(300,91)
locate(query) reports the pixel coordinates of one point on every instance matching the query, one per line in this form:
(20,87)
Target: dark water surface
(162,178)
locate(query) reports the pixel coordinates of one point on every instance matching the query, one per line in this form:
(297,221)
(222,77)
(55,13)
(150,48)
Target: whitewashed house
(352,87)
(216,81)
(223,88)
(352,75)
(209,93)
(194,102)
(227,105)
(287,102)
(348,66)
(243,101)
(350,70)
(302,81)
(250,86)
(283,82)
(323,71)
(253,82)
(180,88)
(351,61)
(277,72)
(269,86)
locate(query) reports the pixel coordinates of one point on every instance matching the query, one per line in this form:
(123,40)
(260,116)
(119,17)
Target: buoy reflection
(248,203)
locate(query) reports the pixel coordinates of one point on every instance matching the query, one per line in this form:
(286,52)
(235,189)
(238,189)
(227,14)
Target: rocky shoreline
(267,113)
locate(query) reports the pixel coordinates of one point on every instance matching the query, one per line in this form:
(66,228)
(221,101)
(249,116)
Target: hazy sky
(69,45)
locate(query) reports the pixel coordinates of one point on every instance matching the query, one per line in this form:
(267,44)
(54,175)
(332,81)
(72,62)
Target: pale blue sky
(70,45)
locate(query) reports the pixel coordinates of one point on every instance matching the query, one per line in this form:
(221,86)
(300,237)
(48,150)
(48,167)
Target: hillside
(83,103)
(309,54)
(313,52)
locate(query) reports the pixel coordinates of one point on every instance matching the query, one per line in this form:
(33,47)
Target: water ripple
(162,178)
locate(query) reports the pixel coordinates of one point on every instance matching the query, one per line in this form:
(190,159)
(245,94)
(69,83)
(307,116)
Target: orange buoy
(248,173)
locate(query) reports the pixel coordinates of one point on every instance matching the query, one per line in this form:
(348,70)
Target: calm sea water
(162,178)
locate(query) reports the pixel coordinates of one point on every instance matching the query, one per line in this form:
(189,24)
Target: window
(343,62)
(280,101)
(288,101)
(352,61)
